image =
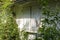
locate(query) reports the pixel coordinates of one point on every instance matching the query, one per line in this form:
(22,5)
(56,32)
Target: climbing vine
(8,26)
(50,29)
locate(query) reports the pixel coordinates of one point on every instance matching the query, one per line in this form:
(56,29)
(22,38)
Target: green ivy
(49,30)
(8,26)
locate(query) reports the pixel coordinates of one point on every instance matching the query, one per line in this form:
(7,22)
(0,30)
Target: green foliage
(50,29)
(5,3)
(23,35)
(8,26)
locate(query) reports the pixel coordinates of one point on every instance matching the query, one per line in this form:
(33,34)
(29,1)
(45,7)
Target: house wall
(29,17)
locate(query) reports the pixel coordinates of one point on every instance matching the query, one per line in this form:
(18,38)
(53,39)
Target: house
(28,15)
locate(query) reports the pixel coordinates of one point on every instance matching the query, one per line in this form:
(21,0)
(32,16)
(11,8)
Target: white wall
(28,19)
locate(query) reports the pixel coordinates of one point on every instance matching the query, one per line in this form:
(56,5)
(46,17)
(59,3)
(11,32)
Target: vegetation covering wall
(8,26)
(50,29)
